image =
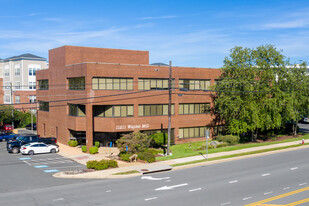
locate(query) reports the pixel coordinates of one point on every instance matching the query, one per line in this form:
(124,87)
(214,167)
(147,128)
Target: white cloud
(299,23)
(157,17)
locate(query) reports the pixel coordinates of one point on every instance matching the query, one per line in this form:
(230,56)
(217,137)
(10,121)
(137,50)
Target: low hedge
(84,148)
(125,157)
(73,143)
(230,139)
(146,156)
(102,164)
(93,150)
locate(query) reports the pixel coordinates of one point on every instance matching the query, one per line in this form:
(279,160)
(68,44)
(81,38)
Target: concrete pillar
(89,126)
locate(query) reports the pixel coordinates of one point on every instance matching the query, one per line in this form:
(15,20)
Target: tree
(21,119)
(135,141)
(249,95)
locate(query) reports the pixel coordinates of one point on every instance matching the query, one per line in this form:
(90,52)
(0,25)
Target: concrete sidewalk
(125,167)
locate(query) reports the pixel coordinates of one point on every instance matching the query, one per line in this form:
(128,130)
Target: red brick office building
(98,94)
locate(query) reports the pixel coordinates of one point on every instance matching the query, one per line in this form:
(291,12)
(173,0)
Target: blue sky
(196,33)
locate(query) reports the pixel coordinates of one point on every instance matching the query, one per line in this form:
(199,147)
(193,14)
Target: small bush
(154,151)
(93,150)
(222,144)
(158,139)
(101,165)
(125,157)
(72,143)
(97,144)
(230,139)
(146,156)
(84,148)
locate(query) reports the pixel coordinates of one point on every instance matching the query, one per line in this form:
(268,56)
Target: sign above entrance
(132,127)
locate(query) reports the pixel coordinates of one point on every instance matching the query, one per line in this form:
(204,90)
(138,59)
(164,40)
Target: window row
(149,84)
(77,110)
(113,111)
(194,84)
(199,108)
(154,109)
(102,83)
(192,132)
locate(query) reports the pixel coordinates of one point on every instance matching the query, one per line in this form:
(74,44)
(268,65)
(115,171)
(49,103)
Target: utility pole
(169,109)
(12,105)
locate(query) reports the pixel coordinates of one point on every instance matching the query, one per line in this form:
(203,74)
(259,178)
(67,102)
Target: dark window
(43,84)
(44,106)
(76,83)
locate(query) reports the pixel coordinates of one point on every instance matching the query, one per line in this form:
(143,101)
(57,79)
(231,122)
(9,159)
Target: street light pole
(169,109)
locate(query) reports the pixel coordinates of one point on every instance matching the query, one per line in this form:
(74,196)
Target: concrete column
(89,126)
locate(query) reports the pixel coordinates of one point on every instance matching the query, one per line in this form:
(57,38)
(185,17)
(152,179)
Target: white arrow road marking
(264,175)
(193,190)
(294,168)
(234,181)
(171,187)
(152,198)
(153,178)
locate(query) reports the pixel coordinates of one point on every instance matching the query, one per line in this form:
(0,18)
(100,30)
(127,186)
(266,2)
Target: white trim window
(7,99)
(32,71)
(17,99)
(7,85)
(6,71)
(32,98)
(32,85)
(17,70)
(17,85)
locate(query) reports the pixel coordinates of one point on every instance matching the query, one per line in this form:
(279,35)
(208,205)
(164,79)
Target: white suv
(37,148)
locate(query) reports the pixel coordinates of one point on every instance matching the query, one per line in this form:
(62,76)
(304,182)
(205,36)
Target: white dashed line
(227,203)
(294,168)
(301,184)
(246,198)
(266,174)
(152,198)
(267,193)
(286,188)
(234,181)
(108,191)
(59,199)
(167,180)
(193,190)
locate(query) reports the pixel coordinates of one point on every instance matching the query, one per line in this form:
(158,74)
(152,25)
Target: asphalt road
(231,183)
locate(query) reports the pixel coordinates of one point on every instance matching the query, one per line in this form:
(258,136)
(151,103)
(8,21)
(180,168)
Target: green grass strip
(127,173)
(237,155)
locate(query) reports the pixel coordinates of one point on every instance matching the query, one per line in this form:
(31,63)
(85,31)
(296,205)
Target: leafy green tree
(21,119)
(249,97)
(136,142)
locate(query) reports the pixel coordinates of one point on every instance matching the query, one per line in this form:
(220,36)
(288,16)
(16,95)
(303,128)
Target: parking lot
(19,171)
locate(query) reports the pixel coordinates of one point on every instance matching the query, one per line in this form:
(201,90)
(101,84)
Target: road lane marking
(246,198)
(278,197)
(108,190)
(154,178)
(286,188)
(227,203)
(167,180)
(234,181)
(152,198)
(25,158)
(50,171)
(40,166)
(59,199)
(171,187)
(298,202)
(266,193)
(294,168)
(193,190)
(301,184)
(266,174)
(27,163)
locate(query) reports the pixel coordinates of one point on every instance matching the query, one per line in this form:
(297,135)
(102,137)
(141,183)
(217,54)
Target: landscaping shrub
(84,148)
(230,139)
(125,157)
(72,143)
(146,156)
(158,139)
(97,144)
(204,147)
(154,151)
(222,144)
(93,150)
(135,141)
(102,164)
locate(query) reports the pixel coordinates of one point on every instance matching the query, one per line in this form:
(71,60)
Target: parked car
(305,120)
(7,136)
(6,127)
(14,146)
(38,148)
(29,126)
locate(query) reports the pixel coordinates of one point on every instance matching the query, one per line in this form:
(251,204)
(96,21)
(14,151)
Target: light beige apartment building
(19,73)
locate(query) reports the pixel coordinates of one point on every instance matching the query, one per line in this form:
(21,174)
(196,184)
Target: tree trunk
(254,135)
(294,129)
